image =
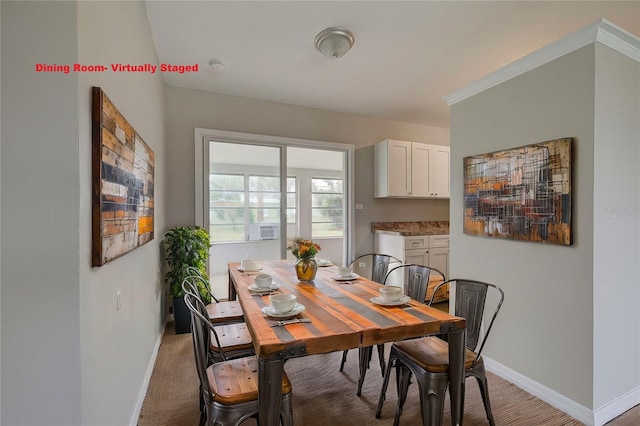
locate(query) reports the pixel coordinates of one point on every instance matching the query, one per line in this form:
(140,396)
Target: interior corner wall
(545,327)
(41,375)
(616,281)
(118,346)
(188,109)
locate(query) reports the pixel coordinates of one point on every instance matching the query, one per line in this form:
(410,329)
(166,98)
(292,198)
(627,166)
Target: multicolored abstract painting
(122,183)
(522,193)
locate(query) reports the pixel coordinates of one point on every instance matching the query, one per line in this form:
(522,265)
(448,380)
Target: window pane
(327,215)
(226,216)
(264,215)
(264,199)
(226,199)
(264,183)
(333,186)
(326,200)
(326,207)
(326,230)
(291,184)
(291,215)
(219,182)
(227,233)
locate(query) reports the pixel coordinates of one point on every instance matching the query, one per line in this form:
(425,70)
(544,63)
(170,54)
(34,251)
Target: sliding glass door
(255,194)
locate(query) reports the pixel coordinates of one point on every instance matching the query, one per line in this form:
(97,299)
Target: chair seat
(232,337)
(432,354)
(236,381)
(225,312)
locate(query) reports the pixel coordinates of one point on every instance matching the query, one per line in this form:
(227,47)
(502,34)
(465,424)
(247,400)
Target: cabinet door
(420,163)
(417,256)
(439,172)
(399,168)
(439,259)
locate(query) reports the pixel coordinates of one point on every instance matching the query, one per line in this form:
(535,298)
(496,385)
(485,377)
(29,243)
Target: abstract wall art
(521,194)
(122,184)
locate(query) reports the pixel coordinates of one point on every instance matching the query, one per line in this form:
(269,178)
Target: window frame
(201,144)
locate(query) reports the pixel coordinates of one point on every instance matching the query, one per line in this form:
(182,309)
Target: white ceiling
(406,57)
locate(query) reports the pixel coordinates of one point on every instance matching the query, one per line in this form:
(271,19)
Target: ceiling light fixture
(334,42)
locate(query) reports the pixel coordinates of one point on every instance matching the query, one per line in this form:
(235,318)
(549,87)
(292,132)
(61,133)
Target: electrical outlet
(118,301)
(362,264)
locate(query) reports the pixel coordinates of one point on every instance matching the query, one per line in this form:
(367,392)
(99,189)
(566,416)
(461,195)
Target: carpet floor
(324,396)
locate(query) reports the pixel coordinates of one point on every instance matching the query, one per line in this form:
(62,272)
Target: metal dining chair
(227,312)
(379,267)
(415,283)
(427,358)
(231,340)
(229,389)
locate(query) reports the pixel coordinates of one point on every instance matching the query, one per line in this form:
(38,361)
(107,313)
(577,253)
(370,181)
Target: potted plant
(187,253)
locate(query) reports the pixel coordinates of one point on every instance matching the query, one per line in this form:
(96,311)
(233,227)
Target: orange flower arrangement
(304,249)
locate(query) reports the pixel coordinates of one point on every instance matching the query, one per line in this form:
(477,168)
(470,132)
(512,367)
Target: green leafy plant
(187,253)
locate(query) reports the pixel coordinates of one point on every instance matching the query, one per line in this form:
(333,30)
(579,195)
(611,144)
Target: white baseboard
(598,417)
(145,383)
(546,394)
(616,407)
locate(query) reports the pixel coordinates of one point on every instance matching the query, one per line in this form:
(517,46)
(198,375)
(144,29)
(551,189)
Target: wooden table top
(342,315)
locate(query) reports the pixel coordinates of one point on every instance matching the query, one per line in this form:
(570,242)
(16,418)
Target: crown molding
(601,31)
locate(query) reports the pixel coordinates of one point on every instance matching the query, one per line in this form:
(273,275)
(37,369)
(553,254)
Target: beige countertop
(408,229)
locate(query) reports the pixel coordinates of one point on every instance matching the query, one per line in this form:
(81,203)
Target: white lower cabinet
(427,250)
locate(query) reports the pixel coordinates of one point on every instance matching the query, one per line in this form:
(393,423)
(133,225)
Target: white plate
(353,276)
(323,262)
(269,311)
(380,301)
(241,269)
(255,288)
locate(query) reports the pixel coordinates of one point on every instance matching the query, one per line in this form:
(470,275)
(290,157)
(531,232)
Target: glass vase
(306,269)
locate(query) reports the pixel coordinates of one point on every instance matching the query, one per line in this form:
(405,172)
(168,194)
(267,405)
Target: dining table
(339,314)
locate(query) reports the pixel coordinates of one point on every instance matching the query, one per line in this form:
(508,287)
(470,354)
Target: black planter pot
(182,316)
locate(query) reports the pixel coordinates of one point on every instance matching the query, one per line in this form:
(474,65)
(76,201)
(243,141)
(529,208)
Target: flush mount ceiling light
(334,42)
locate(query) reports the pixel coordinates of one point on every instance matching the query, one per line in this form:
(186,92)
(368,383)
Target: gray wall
(559,323)
(188,109)
(40,217)
(68,357)
(616,218)
(117,346)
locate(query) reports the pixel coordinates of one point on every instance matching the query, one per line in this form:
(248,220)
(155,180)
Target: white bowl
(283,303)
(263,280)
(391,293)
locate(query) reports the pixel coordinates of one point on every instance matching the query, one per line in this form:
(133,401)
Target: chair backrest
(201,336)
(194,277)
(416,280)
(379,265)
(200,322)
(471,296)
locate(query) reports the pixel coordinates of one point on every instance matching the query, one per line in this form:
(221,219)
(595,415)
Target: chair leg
(385,384)
(364,355)
(344,359)
(381,358)
(403,390)
(484,391)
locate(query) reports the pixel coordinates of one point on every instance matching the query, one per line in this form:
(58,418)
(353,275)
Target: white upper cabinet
(410,170)
(439,171)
